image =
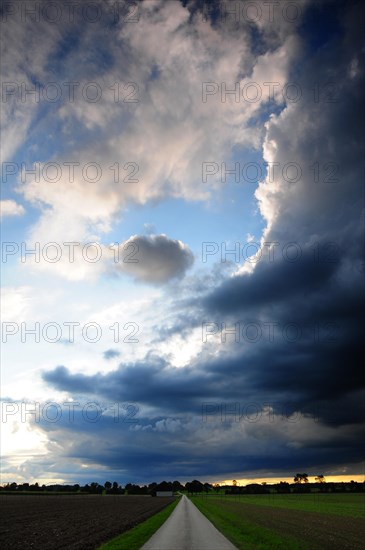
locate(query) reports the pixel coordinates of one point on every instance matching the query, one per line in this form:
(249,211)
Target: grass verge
(241,532)
(141,533)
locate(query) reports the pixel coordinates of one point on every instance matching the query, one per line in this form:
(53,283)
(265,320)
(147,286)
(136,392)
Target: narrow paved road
(187,529)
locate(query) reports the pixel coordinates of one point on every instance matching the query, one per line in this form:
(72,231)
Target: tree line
(300,485)
(95,488)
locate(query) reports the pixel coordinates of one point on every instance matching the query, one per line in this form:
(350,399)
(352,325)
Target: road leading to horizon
(187,529)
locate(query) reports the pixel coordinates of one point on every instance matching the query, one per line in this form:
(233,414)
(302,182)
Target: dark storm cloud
(150,382)
(303,372)
(177,446)
(271,283)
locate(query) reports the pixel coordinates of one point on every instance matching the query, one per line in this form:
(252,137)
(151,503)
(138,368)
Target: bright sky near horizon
(182,240)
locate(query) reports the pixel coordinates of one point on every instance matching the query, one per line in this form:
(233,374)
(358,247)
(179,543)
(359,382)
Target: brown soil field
(75,522)
(313,530)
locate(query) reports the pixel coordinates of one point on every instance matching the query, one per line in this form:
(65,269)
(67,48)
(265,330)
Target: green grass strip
(141,533)
(241,532)
(352,505)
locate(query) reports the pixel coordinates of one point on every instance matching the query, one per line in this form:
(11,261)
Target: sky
(182,240)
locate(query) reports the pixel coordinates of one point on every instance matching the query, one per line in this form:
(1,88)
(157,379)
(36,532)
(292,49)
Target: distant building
(164,493)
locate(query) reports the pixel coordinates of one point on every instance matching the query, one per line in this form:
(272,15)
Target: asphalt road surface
(187,529)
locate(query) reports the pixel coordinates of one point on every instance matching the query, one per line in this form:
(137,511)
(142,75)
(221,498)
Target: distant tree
(320,479)
(283,487)
(176,486)
(107,485)
(256,488)
(217,487)
(301,478)
(133,489)
(234,483)
(355,486)
(95,488)
(164,486)
(151,489)
(194,486)
(115,485)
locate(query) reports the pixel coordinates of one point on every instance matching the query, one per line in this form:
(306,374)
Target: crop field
(350,504)
(75,522)
(308,521)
